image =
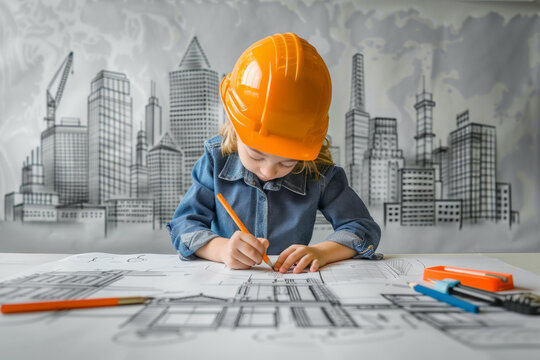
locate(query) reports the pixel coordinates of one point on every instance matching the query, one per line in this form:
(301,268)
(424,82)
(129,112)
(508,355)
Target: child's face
(266,166)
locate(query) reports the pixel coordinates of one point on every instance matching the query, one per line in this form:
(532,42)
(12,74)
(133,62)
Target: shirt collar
(234,170)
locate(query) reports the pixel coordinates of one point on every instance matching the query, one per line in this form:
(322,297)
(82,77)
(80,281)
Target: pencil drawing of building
(130,211)
(441,161)
(417,192)
(165,163)
(109,136)
(90,218)
(194,106)
(356,127)
(65,160)
(473,168)
(420,200)
(139,171)
(382,162)
(424,127)
(33,202)
(153,118)
(448,212)
(334,150)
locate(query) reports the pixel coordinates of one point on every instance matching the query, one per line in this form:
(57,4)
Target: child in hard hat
(272,164)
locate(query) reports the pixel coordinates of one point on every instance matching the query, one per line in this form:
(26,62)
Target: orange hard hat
(277,97)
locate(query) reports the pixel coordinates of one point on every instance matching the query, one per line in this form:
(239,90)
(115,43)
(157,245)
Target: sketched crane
(54,101)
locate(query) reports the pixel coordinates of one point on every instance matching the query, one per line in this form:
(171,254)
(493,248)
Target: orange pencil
(71,304)
(239,223)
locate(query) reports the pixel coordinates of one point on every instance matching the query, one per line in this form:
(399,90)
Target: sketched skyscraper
(65,160)
(194,106)
(33,202)
(382,161)
(109,136)
(473,168)
(165,162)
(153,119)
(139,170)
(424,127)
(356,126)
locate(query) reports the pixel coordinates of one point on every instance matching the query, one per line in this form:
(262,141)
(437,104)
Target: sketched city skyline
(445,186)
(96,174)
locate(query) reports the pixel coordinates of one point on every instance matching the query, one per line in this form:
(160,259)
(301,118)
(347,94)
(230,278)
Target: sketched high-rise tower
(109,136)
(65,160)
(139,170)
(424,126)
(195,106)
(356,126)
(382,161)
(153,124)
(165,162)
(473,168)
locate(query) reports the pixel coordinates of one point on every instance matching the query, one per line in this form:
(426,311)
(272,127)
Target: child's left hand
(303,256)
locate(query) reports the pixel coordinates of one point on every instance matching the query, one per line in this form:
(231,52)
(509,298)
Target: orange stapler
(485,280)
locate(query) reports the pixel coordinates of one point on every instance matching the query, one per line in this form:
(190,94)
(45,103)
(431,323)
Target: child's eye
(288,165)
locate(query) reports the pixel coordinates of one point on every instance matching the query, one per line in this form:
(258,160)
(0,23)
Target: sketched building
(153,119)
(356,127)
(448,212)
(417,191)
(92,218)
(441,162)
(194,106)
(382,162)
(420,201)
(139,170)
(424,127)
(473,168)
(65,160)
(33,202)
(334,150)
(165,162)
(128,211)
(109,136)
(504,212)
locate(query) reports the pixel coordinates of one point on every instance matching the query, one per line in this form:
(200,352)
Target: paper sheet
(204,309)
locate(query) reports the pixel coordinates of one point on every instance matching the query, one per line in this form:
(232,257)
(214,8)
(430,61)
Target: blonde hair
(311,167)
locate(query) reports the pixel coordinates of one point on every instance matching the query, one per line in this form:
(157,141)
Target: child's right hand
(242,251)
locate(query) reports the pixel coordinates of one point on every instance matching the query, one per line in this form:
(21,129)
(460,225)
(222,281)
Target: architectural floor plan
(203,308)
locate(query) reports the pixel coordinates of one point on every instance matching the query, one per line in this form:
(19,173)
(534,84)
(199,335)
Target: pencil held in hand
(71,304)
(240,224)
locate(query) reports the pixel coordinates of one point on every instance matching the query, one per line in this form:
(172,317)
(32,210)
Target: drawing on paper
(195,299)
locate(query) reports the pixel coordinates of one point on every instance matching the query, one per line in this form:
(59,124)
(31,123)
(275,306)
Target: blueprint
(203,309)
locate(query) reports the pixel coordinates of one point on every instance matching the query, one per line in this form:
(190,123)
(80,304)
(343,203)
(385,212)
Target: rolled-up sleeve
(190,227)
(353,225)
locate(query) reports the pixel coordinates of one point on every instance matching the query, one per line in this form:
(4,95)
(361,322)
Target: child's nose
(269,172)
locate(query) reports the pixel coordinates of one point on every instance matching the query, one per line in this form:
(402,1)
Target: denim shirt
(282,210)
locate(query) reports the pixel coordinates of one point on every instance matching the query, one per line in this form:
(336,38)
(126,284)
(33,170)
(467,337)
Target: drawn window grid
(251,316)
(190,317)
(321,317)
(59,285)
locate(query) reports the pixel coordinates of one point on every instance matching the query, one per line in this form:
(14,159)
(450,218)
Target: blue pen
(449,299)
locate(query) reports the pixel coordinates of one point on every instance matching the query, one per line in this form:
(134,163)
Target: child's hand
(243,251)
(303,256)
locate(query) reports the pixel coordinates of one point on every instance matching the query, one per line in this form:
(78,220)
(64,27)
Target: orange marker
(71,304)
(240,224)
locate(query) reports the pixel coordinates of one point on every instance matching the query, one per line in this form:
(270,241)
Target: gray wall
(484,57)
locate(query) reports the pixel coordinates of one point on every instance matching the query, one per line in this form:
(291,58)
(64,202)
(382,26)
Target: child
(273,165)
